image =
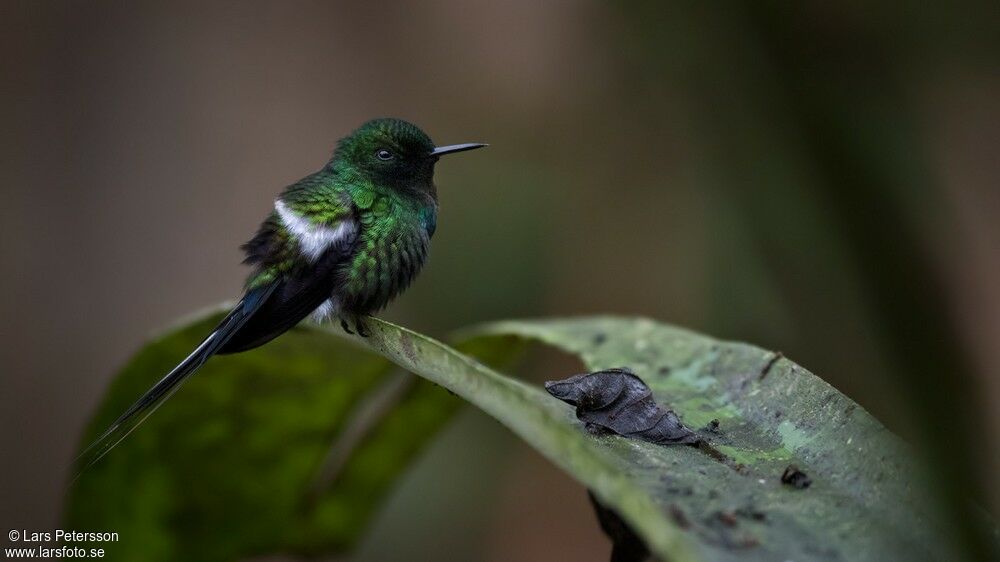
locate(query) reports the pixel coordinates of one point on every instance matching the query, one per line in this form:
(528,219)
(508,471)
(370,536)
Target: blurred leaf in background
(811,151)
(289,448)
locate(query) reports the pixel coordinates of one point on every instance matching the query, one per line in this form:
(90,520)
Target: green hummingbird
(340,243)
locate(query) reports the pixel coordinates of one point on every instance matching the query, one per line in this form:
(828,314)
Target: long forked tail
(148,402)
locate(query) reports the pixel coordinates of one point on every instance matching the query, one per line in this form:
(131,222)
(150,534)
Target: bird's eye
(383,154)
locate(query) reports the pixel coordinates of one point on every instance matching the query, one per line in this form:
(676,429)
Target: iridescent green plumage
(386,207)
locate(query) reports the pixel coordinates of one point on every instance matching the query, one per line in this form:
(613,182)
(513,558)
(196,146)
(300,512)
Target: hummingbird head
(393,153)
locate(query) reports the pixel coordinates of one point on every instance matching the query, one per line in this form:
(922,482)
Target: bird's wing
(302,255)
(297,234)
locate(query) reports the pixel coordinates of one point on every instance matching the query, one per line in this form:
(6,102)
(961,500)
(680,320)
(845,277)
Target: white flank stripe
(325,311)
(313,238)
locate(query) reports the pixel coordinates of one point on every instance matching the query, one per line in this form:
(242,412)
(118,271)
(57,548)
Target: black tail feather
(163,389)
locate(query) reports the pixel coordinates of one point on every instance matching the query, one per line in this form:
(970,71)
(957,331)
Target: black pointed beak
(452,148)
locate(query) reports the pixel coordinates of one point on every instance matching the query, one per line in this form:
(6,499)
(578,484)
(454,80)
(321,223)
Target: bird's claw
(359,327)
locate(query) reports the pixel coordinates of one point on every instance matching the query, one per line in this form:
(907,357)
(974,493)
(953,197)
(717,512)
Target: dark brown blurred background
(821,180)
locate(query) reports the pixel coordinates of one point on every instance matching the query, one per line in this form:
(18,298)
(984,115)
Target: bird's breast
(390,250)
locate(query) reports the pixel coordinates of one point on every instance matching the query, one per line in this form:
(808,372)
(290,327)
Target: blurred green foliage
(809,141)
(281,449)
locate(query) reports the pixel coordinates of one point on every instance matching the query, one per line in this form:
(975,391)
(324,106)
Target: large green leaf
(868,499)
(287,448)
(229,467)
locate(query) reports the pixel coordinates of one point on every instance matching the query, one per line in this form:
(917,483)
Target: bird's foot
(359,327)
(345,327)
